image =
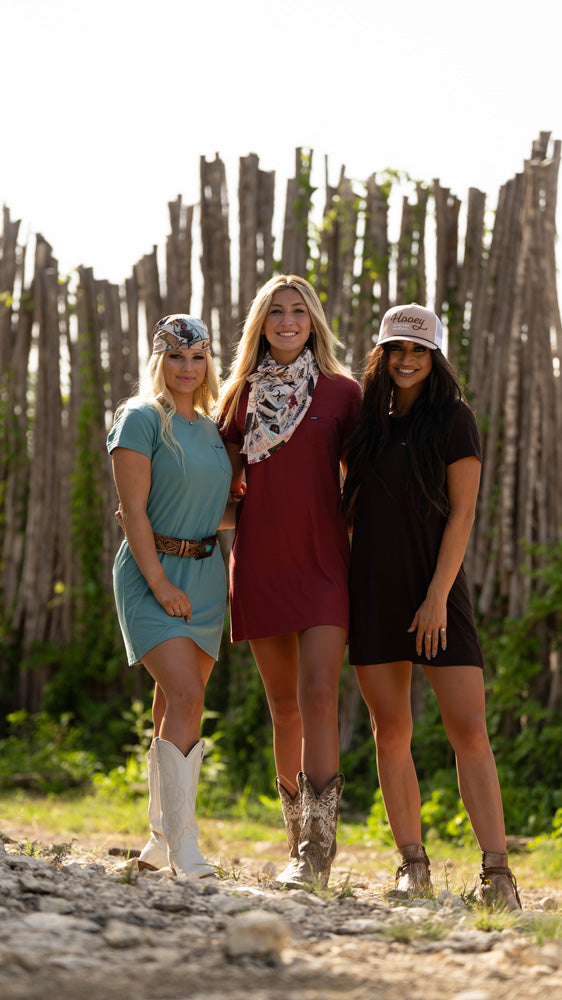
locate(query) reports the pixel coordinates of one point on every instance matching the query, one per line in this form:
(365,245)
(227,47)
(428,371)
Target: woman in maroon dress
(286,413)
(410,494)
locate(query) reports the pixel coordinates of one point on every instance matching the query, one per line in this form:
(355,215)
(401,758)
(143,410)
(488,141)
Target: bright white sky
(107,106)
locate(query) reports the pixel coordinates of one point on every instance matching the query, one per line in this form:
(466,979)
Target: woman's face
(409,364)
(184,371)
(287,325)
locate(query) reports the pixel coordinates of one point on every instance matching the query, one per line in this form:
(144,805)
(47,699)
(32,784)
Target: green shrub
(43,755)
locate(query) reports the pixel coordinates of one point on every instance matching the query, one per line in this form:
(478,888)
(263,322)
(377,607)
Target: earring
(204,386)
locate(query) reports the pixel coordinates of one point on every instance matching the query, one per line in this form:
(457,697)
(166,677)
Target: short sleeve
(464,439)
(233,434)
(136,428)
(355,399)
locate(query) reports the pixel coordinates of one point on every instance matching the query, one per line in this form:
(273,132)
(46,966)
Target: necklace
(190,420)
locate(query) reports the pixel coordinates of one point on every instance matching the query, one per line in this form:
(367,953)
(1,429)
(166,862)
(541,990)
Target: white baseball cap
(411,322)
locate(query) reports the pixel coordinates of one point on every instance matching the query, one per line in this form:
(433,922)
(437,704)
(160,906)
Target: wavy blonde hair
(154,391)
(253,345)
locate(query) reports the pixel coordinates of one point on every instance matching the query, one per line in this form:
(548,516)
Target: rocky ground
(88,926)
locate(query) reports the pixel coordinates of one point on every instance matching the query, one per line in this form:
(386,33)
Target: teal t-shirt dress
(185,501)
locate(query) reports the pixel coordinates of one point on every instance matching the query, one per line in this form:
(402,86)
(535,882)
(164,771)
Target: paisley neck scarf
(279,397)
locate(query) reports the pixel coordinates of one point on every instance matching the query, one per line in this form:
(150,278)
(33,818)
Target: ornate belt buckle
(206,547)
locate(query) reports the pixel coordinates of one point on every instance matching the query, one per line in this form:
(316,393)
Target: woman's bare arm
(463,479)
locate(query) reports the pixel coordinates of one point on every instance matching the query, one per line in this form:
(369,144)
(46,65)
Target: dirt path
(88,928)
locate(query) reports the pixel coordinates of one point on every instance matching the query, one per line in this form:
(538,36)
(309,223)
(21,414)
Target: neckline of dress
(186,420)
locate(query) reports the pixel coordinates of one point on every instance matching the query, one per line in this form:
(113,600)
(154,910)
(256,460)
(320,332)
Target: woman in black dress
(410,495)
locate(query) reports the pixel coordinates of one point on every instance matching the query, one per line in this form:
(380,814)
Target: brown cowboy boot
(317,843)
(413,876)
(291,806)
(498,886)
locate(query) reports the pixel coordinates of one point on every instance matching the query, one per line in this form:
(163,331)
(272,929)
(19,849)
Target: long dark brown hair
(425,441)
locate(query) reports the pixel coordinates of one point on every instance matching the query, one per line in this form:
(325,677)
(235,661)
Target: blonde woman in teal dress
(173,476)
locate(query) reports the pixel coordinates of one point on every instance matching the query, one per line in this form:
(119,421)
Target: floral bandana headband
(172,333)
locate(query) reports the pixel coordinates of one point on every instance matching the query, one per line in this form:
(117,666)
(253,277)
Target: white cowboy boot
(178,778)
(154,854)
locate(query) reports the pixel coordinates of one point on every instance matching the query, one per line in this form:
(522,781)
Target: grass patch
(74,814)
(406,932)
(483,919)
(544,927)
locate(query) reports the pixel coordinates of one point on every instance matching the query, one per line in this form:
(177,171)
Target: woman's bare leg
(386,690)
(300,675)
(460,693)
(277,659)
(321,653)
(158,709)
(180,670)
(159,701)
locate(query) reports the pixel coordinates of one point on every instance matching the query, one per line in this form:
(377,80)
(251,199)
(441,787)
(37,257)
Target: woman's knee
(284,712)
(469,735)
(318,697)
(392,735)
(187,699)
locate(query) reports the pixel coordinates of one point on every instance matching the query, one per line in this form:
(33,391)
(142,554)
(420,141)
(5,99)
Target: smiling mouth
(406,371)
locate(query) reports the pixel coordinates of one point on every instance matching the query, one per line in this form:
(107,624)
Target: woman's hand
(229,516)
(239,493)
(175,602)
(430,625)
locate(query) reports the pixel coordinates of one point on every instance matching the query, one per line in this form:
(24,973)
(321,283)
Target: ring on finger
(428,635)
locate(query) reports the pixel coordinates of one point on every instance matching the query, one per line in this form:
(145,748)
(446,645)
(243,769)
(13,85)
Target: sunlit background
(106,108)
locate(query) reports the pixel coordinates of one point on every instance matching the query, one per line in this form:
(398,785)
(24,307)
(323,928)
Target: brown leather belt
(184,547)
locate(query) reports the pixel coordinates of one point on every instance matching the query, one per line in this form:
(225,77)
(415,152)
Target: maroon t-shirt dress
(289,563)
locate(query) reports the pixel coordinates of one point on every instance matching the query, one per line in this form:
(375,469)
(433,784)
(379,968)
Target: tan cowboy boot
(291,806)
(498,886)
(413,876)
(317,843)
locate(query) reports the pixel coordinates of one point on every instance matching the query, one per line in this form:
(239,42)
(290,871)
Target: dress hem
(420,661)
(178,635)
(288,631)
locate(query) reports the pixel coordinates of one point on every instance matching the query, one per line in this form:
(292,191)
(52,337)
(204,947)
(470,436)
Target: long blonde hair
(252,345)
(154,391)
